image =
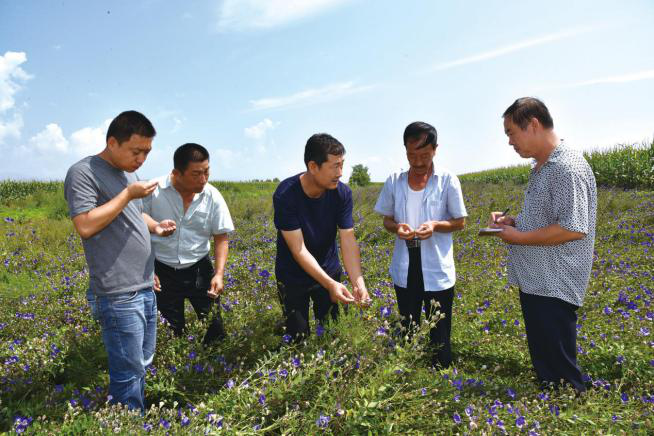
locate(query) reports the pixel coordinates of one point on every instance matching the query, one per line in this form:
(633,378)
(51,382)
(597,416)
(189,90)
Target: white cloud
(263,14)
(11,78)
(11,74)
(82,142)
(89,140)
(632,77)
(259,130)
(310,96)
(501,51)
(10,128)
(50,139)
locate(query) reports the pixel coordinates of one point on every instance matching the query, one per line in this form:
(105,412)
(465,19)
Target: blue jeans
(129,332)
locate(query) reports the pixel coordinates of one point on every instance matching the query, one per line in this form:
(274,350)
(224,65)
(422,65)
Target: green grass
(624,166)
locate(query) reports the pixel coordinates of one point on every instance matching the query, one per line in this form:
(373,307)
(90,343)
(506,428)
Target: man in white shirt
(423,206)
(182,263)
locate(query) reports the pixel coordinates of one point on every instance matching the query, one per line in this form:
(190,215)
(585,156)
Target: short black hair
(130,123)
(417,129)
(187,153)
(524,109)
(319,146)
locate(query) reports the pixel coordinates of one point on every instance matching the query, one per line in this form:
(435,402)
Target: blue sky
(252,79)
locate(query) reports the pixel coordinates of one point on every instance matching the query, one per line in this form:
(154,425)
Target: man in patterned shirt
(550,241)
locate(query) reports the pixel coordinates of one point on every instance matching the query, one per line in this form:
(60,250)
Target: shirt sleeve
(222,220)
(285,215)
(570,201)
(455,205)
(386,201)
(344,219)
(80,192)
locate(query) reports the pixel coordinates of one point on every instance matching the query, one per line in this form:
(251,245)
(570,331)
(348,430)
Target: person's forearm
(448,226)
(311,266)
(220,249)
(352,261)
(95,220)
(553,234)
(390,225)
(150,222)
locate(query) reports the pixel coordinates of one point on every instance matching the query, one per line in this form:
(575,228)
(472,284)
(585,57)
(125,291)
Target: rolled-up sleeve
(386,201)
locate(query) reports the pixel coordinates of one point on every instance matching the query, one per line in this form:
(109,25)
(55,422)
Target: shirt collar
(555,156)
(168,184)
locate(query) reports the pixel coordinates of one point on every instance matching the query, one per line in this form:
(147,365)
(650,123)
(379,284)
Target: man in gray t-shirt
(104,199)
(551,241)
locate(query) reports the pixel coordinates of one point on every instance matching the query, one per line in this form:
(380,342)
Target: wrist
(128,195)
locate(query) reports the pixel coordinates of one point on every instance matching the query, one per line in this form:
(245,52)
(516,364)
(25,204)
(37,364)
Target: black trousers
(192,283)
(295,305)
(410,301)
(551,326)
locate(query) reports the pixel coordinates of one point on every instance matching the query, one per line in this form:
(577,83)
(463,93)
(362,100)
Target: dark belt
(186,268)
(412,243)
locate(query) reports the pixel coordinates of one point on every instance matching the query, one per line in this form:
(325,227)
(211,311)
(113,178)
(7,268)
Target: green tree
(360,176)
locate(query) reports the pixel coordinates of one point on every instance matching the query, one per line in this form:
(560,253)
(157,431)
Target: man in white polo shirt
(423,206)
(182,263)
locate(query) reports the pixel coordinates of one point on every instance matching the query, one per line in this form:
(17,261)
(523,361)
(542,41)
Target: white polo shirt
(207,215)
(442,200)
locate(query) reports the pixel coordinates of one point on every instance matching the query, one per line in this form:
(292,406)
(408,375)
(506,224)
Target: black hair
(524,109)
(130,123)
(417,129)
(319,146)
(187,153)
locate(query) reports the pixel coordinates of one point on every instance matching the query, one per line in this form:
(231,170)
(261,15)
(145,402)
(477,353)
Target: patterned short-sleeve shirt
(562,191)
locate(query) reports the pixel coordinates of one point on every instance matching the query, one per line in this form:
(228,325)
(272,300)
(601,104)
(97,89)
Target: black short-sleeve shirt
(318,218)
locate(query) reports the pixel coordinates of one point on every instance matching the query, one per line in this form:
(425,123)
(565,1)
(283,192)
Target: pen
(503,214)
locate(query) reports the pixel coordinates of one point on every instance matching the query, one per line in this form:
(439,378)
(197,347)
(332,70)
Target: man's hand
(141,189)
(404,231)
(165,228)
(497,220)
(361,295)
(509,234)
(157,283)
(339,293)
(426,230)
(216,287)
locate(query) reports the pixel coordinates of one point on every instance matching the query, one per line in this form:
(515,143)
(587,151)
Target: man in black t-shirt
(309,208)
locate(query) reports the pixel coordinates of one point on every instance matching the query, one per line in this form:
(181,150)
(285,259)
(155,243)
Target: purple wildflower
(323,421)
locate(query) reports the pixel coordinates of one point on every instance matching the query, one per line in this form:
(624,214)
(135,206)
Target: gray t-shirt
(562,192)
(119,257)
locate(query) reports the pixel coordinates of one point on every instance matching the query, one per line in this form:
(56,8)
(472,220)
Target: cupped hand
(141,189)
(425,230)
(404,231)
(165,228)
